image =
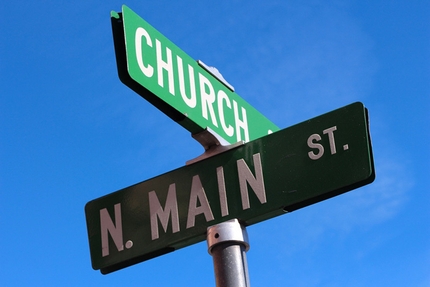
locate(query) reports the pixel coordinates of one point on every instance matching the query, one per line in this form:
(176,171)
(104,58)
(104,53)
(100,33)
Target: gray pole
(228,244)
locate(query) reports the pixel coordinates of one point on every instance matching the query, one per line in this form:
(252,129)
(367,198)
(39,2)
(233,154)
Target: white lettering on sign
(222,97)
(222,191)
(198,193)
(164,65)
(207,95)
(146,70)
(311,143)
(192,100)
(246,177)
(241,123)
(108,227)
(170,211)
(198,203)
(330,133)
(318,151)
(211,100)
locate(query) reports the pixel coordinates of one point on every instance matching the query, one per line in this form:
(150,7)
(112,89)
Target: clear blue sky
(71,132)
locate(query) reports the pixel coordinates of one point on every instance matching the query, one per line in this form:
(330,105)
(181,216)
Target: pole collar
(229,231)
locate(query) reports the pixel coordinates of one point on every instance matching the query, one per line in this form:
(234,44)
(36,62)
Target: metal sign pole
(228,244)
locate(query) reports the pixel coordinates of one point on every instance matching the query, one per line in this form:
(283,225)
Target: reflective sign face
(287,170)
(166,76)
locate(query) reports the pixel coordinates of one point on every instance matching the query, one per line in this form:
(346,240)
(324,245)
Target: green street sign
(159,71)
(281,172)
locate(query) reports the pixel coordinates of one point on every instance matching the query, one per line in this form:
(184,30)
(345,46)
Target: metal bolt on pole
(228,244)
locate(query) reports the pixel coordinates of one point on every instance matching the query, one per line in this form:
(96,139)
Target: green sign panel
(287,170)
(166,76)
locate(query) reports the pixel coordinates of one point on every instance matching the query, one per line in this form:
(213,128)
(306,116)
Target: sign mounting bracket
(212,143)
(215,72)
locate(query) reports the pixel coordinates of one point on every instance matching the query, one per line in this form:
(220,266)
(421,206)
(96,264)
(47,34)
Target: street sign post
(159,71)
(281,172)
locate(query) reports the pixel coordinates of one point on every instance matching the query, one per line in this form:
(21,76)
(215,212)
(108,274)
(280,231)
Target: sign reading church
(183,89)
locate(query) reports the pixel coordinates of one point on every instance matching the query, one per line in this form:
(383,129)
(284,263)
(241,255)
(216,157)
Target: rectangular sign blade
(287,170)
(159,71)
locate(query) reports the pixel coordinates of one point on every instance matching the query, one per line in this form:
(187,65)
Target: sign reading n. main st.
(287,170)
(159,71)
